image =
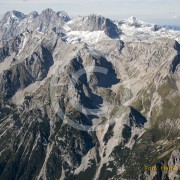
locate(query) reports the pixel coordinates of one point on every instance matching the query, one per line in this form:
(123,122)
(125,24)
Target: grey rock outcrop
(13,23)
(95,23)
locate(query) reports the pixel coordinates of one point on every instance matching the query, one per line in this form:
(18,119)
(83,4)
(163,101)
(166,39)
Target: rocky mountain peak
(63,15)
(12,15)
(33,14)
(48,11)
(132,20)
(17,15)
(13,23)
(95,22)
(48,14)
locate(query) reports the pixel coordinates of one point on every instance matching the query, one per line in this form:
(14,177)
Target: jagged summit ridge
(33,14)
(95,22)
(16,14)
(13,23)
(91,28)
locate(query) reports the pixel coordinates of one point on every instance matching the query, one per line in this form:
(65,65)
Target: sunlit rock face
(82,99)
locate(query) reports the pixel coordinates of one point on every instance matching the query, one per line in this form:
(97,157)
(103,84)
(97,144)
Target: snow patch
(85,36)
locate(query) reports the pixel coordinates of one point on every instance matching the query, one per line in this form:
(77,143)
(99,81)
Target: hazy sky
(157,11)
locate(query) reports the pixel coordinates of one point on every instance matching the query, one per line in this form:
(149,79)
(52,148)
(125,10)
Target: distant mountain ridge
(15,22)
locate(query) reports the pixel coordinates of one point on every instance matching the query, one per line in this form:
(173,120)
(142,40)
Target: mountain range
(88,98)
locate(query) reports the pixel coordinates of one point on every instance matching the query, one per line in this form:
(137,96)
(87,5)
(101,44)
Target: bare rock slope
(79,110)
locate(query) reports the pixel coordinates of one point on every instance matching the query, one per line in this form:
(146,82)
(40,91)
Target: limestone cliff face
(103,110)
(94,22)
(13,23)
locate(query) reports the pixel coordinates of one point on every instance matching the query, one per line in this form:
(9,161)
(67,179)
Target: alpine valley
(88,98)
